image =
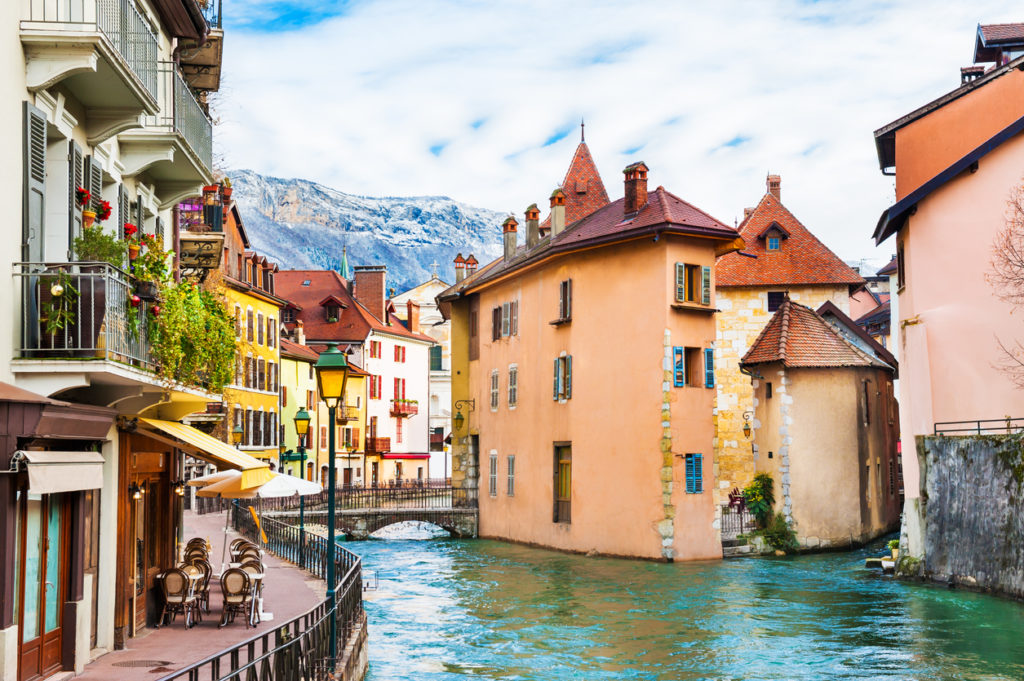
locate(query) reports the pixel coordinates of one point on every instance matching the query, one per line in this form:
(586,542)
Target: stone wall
(743,313)
(970,526)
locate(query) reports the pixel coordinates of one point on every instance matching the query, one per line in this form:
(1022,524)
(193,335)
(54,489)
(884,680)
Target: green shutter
(557,377)
(75,180)
(678,367)
(705,285)
(34,183)
(568,376)
(709,368)
(680,281)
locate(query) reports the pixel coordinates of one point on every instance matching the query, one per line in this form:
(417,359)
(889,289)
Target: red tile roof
(798,337)
(996,33)
(296,351)
(583,188)
(663,212)
(802,259)
(355,322)
(891,268)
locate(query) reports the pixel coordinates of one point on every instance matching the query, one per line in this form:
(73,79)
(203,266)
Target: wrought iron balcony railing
(211,10)
(346,413)
(118,20)
(378,445)
(81,310)
(181,113)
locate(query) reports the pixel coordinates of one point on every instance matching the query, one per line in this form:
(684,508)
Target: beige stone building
(781,259)
(835,469)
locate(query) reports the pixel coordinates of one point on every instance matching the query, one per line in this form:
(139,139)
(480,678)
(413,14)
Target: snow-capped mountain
(304,225)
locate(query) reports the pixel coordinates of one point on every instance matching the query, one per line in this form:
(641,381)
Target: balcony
(404,408)
(378,445)
(175,147)
(346,413)
(101,51)
(201,63)
(98,351)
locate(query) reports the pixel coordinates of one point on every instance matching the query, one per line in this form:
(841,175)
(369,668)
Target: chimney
(636,187)
(471,264)
(460,268)
(412,316)
(508,233)
(747,212)
(532,225)
(775,186)
(557,212)
(369,288)
(300,333)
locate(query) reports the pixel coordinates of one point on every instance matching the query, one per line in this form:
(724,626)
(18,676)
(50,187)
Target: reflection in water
(450,610)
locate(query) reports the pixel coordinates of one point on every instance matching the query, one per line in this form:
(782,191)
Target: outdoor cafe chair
(178,597)
(202,588)
(197,541)
(236,542)
(257,574)
(234,584)
(249,553)
(195,553)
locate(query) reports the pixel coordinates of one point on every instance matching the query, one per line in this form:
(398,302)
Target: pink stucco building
(956,161)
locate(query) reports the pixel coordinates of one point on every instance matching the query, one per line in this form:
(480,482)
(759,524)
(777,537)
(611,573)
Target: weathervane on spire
(582,131)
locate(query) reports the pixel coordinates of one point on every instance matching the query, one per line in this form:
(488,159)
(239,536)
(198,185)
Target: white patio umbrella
(228,485)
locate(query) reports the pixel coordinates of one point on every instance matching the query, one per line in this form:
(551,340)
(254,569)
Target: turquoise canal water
(459,609)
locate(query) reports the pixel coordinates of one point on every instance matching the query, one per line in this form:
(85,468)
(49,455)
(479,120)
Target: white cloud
(358,101)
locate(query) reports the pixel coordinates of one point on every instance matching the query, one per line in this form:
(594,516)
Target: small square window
(775,300)
(773,243)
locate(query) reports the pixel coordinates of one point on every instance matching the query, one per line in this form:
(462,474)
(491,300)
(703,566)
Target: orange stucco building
(582,368)
(957,161)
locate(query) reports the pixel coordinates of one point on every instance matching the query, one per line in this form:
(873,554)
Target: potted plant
(150,266)
(894,547)
(226,188)
(102,209)
(96,245)
(82,197)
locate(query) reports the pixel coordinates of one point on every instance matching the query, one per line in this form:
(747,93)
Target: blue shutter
(705,285)
(568,376)
(689,474)
(557,376)
(678,367)
(680,281)
(698,470)
(709,368)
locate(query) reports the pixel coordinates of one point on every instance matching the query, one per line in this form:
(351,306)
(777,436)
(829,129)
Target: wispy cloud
(480,101)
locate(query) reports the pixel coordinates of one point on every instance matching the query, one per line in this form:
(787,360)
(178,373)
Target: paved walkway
(288,591)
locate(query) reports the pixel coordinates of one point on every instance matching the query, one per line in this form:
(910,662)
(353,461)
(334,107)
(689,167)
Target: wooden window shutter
(122,210)
(690,482)
(678,367)
(496,323)
(705,285)
(94,180)
(506,319)
(355,438)
(709,368)
(515,318)
(561,300)
(568,299)
(34,184)
(698,473)
(138,213)
(680,281)
(558,376)
(568,376)
(284,396)
(75,180)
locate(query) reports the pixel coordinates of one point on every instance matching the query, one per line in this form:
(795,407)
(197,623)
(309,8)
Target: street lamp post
(301,429)
(331,376)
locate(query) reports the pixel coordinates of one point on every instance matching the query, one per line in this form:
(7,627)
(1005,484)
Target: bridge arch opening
(411,529)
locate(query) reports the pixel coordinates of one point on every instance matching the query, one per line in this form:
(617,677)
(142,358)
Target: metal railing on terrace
(180,112)
(408,494)
(92,302)
(299,648)
(211,10)
(120,22)
(1003,426)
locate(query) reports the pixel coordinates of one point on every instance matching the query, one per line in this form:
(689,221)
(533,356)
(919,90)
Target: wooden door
(42,562)
(376,472)
(347,480)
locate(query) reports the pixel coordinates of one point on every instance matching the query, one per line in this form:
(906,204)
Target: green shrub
(759,497)
(893,544)
(96,245)
(779,535)
(193,338)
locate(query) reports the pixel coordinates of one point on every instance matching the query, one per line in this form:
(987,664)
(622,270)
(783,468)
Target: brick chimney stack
(557,212)
(636,187)
(774,183)
(532,225)
(460,268)
(508,233)
(412,316)
(369,288)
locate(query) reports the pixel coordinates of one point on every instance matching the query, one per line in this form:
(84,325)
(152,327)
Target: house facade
(417,308)
(957,160)
(572,444)
(835,469)
(299,391)
(781,258)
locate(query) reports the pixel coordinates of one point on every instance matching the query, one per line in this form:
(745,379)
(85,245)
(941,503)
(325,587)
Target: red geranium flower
(103,211)
(82,195)
(130,229)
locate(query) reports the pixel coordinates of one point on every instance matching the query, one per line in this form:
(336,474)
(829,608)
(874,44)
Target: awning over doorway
(209,449)
(52,472)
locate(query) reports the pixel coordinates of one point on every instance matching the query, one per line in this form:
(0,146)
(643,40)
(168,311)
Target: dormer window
(773,235)
(773,243)
(333,312)
(288,316)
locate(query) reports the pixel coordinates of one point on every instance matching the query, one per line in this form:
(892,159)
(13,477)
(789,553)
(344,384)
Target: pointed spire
(583,137)
(344,263)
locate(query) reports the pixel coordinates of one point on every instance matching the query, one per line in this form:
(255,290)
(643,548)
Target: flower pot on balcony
(88,217)
(147,290)
(226,191)
(133,251)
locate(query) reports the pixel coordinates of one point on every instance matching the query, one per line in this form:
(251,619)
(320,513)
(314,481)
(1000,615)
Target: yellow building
(781,261)
(349,437)
(298,391)
(253,399)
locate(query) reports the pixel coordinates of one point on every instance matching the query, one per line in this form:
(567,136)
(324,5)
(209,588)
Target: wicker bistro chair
(178,597)
(239,549)
(234,584)
(197,541)
(250,555)
(254,567)
(191,551)
(202,589)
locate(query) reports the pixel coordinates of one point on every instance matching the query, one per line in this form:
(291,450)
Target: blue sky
(481,101)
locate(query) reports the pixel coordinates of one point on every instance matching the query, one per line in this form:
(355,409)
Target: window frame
(565,300)
(562,512)
(562,389)
(492,476)
(694,473)
(773,243)
(510,475)
(495,389)
(781,300)
(513,386)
